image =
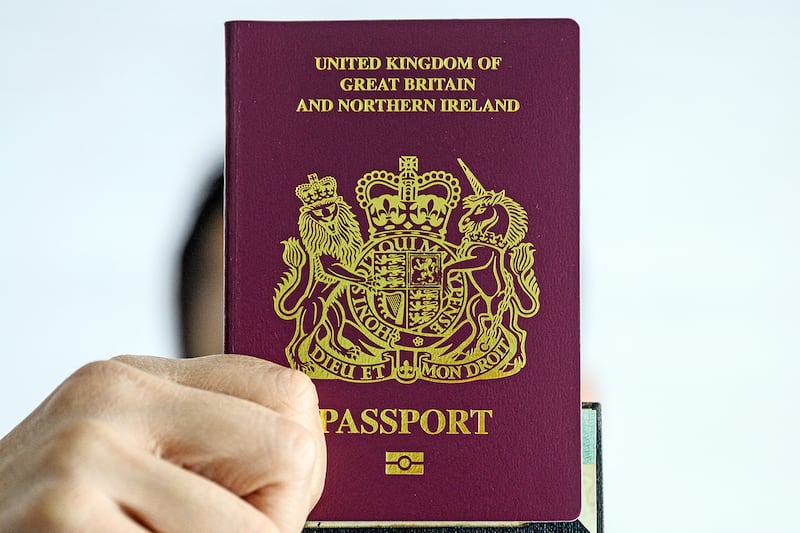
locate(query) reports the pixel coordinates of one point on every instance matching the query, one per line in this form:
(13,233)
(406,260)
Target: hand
(218,443)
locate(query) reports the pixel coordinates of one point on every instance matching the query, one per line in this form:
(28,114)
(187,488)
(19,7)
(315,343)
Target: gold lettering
(458,422)
(407,242)
(472,105)
(328,416)
(372,373)
(407,416)
(489,63)
(488,361)
(481,419)
(318,105)
(428,63)
(331,364)
(368,84)
(390,420)
(439,84)
(347,423)
(441,422)
(432,370)
(386,105)
(368,418)
(347,63)
(404,421)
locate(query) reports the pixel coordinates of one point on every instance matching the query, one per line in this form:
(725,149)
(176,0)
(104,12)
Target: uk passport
(402,214)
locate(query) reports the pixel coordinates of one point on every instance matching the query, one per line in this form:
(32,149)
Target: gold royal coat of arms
(408,304)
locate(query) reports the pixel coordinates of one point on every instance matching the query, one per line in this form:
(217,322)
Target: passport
(402,225)
(589,521)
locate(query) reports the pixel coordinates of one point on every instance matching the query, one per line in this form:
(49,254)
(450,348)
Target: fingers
(96,479)
(286,391)
(268,384)
(165,497)
(234,442)
(153,444)
(70,508)
(280,466)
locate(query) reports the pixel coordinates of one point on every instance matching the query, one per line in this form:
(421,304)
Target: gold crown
(408,201)
(317,191)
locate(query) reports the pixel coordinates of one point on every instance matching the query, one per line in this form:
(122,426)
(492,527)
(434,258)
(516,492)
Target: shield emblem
(408,287)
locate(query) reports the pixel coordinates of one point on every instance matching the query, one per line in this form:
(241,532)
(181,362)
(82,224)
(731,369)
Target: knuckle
(91,387)
(111,369)
(58,506)
(298,449)
(75,445)
(299,389)
(288,390)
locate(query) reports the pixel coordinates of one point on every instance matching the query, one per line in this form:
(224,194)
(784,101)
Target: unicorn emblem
(498,266)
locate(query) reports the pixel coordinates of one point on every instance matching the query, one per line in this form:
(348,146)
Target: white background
(112,115)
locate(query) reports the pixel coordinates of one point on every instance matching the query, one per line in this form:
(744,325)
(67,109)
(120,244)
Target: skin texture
(217,443)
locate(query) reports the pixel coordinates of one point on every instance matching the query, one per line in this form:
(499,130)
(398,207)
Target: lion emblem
(330,242)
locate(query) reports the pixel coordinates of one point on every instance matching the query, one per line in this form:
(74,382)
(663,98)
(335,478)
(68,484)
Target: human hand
(218,443)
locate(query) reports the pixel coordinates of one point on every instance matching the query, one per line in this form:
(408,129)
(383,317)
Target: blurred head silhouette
(199,294)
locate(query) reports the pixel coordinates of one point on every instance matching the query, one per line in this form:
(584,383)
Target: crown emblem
(408,201)
(317,191)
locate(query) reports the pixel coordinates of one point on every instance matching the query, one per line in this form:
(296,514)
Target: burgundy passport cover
(402,225)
